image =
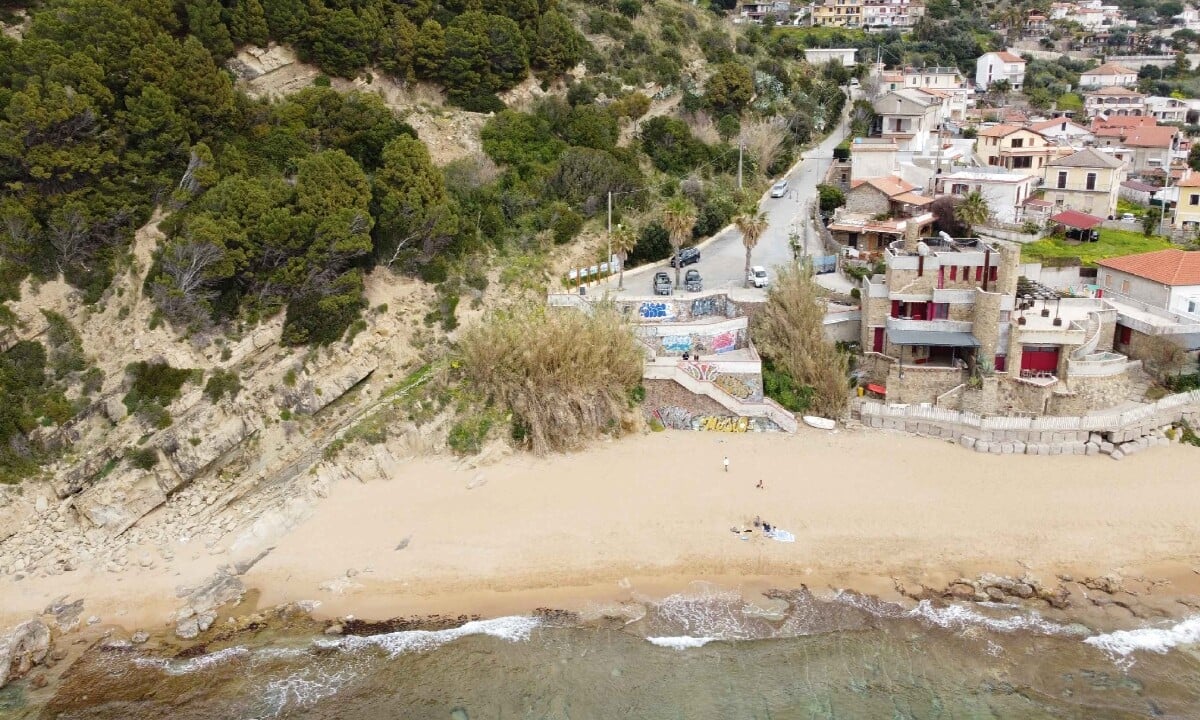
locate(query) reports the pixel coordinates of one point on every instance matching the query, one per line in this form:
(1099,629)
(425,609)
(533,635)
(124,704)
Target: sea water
(692,656)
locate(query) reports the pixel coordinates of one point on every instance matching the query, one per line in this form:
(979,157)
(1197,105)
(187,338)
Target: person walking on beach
(760,485)
(726,463)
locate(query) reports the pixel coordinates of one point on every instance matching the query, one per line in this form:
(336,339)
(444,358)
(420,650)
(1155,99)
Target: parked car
(779,189)
(758,277)
(692,281)
(662,283)
(1128,217)
(686,256)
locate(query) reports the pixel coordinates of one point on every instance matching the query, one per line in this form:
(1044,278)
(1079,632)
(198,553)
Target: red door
(877,345)
(1040,358)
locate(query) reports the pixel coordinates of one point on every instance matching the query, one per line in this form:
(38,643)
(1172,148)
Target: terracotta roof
(1189,179)
(1151,137)
(1141,186)
(1110,69)
(1006,56)
(1124,121)
(1087,158)
(999,131)
(1076,219)
(1119,91)
(889,185)
(1055,123)
(1169,267)
(913,199)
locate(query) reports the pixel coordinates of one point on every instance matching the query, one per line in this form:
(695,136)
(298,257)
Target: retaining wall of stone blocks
(1115,434)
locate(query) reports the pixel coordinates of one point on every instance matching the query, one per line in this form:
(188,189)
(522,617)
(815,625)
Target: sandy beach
(652,513)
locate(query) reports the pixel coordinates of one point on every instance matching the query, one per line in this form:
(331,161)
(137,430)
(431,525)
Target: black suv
(686,256)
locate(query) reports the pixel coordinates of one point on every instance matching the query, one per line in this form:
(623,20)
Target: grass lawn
(1112,243)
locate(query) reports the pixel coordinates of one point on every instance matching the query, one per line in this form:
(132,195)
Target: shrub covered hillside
(113,109)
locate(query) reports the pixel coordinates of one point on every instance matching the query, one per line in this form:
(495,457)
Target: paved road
(723,258)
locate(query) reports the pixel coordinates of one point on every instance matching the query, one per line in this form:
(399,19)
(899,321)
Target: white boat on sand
(819,422)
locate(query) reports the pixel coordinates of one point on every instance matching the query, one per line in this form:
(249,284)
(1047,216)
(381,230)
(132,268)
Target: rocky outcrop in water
(22,648)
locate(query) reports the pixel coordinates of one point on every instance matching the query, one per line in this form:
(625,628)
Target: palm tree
(973,210)
(623,240)
(752,225)
(679,217)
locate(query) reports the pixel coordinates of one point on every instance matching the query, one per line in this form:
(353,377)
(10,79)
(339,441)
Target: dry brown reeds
(564,375)
(789,330)
(763,139)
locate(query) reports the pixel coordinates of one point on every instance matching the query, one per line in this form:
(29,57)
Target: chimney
(912,235)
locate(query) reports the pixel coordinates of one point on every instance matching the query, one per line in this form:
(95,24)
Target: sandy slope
(652,513)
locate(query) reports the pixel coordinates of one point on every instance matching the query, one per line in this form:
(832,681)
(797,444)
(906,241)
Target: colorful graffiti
(718,423)
(735,386)
(701,370)
(724,342)
(677,343)
(656,311)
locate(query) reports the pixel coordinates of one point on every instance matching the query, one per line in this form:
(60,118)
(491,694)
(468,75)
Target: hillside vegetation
(116,109)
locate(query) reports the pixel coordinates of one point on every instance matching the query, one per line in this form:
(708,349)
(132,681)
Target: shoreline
(650,515)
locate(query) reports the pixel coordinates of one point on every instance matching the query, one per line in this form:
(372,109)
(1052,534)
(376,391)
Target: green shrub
(783,389)
(222,383)
(66,347)
(142,458)
(154,384)
(468,434)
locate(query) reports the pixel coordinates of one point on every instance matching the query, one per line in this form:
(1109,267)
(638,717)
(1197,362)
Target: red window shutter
(993,273)
(895,308)
(953,272)
(978,273)
(1001,360)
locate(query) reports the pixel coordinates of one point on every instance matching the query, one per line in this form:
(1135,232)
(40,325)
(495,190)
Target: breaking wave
(1157,640)
(681,642)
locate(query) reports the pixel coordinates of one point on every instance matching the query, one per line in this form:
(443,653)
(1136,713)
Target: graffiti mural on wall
(656,311)
(674,417)
(718,423)
(706,306)
(724,342)
(700,370)
(677,343)
(735,386)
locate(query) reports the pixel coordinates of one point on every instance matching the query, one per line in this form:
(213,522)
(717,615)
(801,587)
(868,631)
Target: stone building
(945,326)
(877,212)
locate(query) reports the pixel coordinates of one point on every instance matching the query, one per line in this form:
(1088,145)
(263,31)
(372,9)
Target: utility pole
(609,258)
(741,146)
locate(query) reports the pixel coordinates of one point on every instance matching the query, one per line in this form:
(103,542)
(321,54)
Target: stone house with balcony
(877,212)
(880,15)
(1005,192)
(1014,148)
(944,326)
(1115,101)
(1087,181)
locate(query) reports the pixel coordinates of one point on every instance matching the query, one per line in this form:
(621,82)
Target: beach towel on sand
(781,535)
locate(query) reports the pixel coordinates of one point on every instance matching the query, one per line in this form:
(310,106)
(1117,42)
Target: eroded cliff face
(124,491)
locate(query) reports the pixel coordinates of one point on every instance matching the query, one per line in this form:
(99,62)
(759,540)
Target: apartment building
(838,13)
(908,117)
(1014,148)
(1114,102)
(994,66)
(879,15)
(1108,75)
(1087,181)
(1004,191)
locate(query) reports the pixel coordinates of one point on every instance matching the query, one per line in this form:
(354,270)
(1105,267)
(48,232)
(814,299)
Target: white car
(779,189)
(758,277)
(1128,217)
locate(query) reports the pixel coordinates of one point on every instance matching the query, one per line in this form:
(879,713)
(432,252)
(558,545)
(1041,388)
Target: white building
(887,14)
(1167,109)
(908,117)
(995,66)
(935,78)
(1167,279)
(1114,102)
(820,56)
(1108,75)
(1063,131)
(1005,192)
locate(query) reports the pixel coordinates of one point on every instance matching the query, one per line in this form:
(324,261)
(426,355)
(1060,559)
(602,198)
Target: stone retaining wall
(1116,434)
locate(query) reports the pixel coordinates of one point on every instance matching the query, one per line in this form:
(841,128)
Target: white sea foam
(681,642)
(512,628)
(1157,640)
(961,616)
(195,664)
